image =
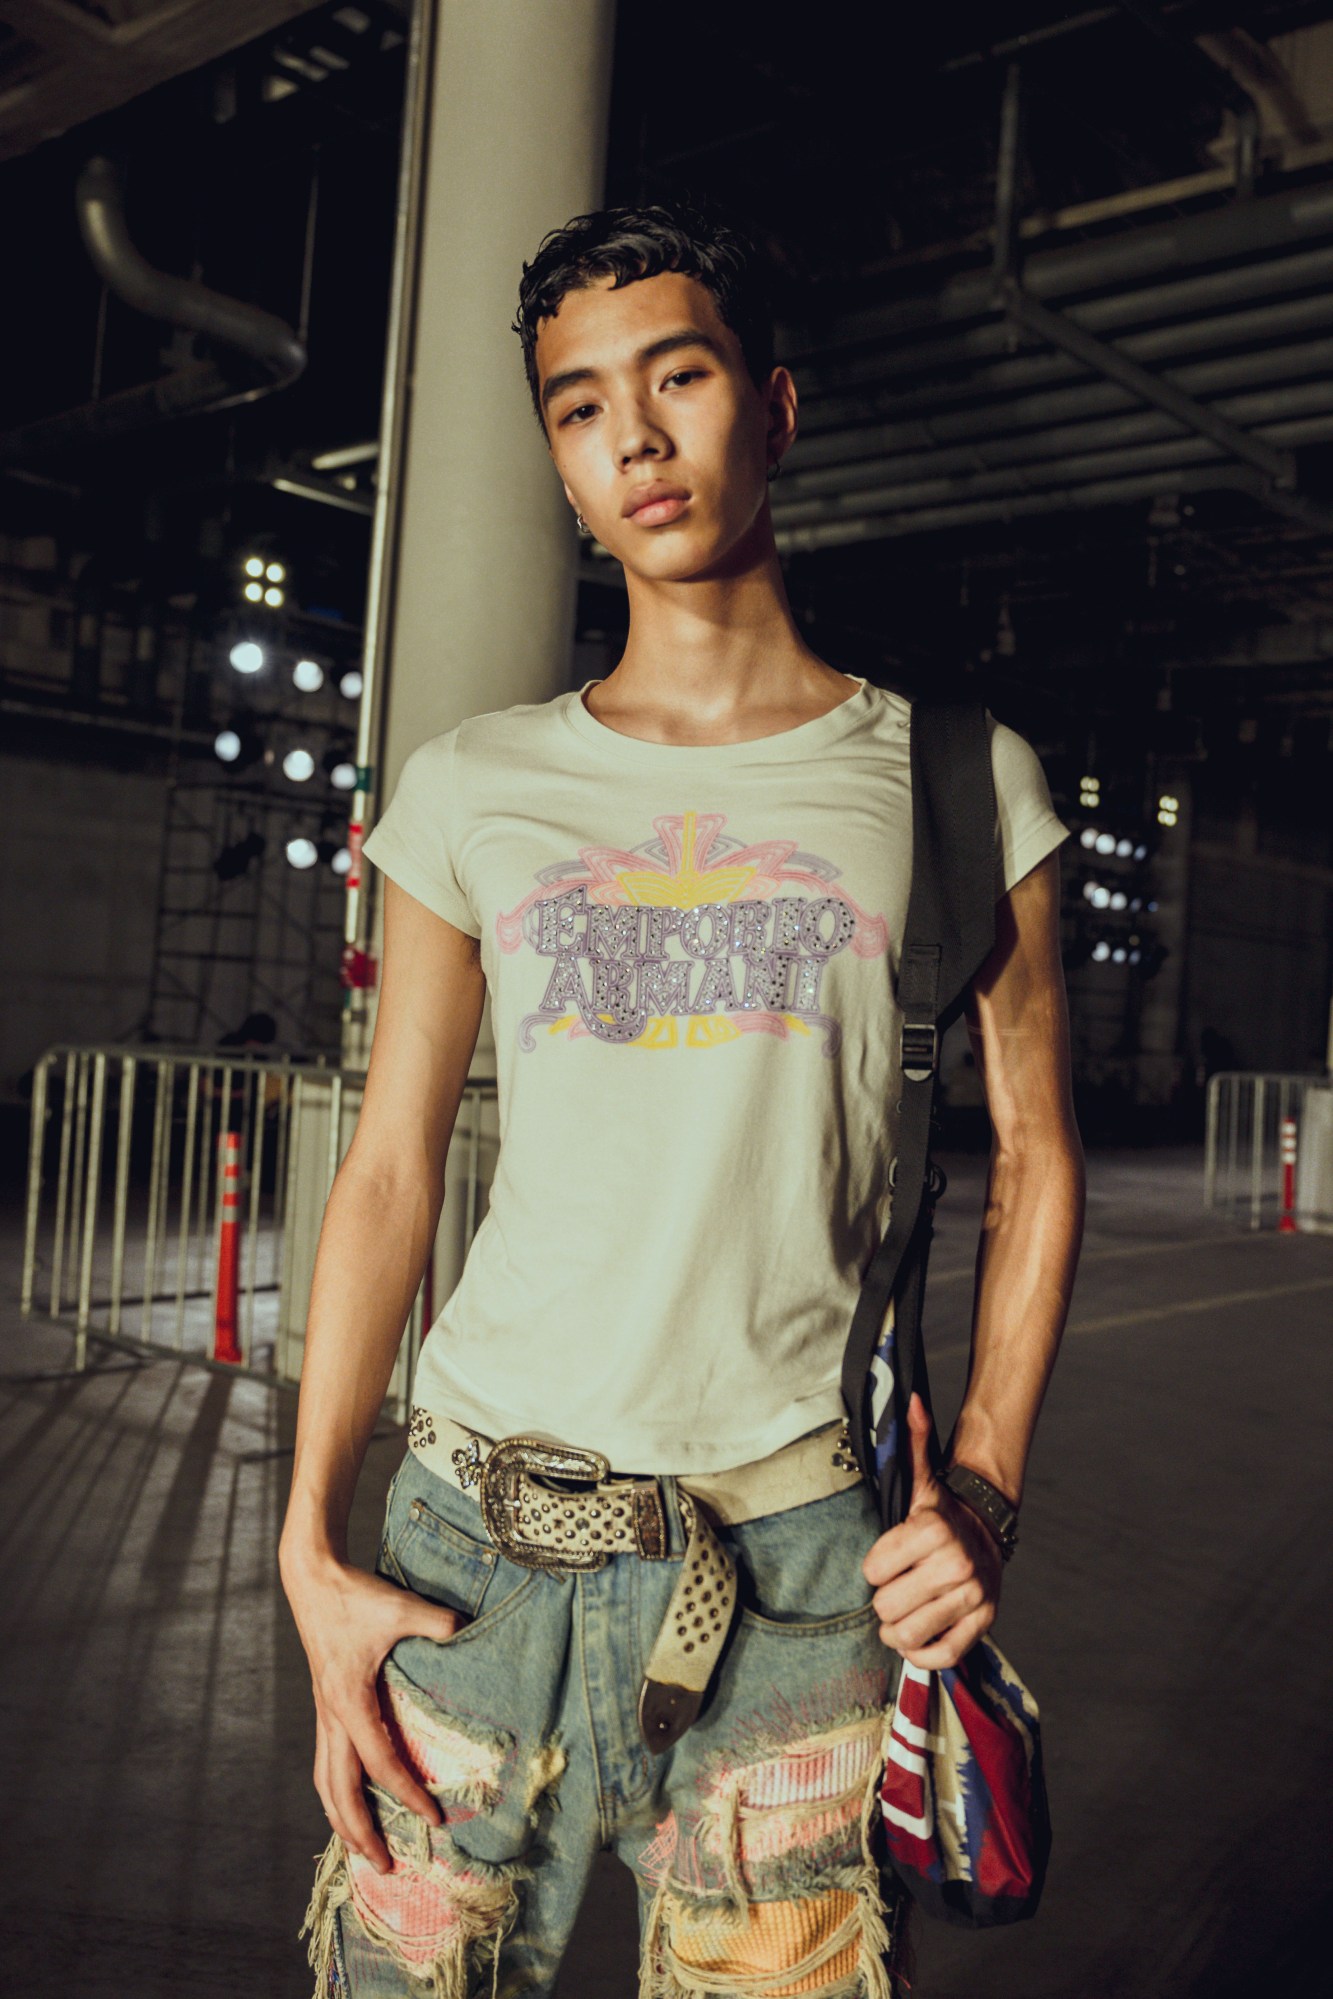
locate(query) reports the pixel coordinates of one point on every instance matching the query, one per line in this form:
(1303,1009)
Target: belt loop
(671,1508)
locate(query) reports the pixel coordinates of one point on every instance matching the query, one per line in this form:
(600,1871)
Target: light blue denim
(750,1838)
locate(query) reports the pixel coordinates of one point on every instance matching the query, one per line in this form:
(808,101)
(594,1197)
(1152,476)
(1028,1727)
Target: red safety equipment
(1286,1221)
(229,1248)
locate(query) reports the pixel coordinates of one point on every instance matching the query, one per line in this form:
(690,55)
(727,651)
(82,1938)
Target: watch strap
(989,1504)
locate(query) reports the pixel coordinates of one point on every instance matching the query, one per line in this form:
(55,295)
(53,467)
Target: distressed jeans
(750,1839)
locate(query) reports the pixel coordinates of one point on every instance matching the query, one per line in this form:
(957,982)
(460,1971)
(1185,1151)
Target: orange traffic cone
(229,1249)
(1286,1221)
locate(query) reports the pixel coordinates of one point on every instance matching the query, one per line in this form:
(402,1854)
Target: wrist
(307,1547)
(986,1501)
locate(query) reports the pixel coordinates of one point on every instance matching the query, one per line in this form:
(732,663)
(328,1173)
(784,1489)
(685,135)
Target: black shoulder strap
(949,933)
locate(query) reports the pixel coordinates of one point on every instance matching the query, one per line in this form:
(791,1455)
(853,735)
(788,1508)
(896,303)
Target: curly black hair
(691,234)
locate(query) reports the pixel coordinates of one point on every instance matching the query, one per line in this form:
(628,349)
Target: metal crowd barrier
(124,1223)
(1245,1173)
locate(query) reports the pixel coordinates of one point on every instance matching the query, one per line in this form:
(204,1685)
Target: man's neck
(710,663)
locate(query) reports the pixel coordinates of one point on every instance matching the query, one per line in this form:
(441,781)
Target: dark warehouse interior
(1055,285)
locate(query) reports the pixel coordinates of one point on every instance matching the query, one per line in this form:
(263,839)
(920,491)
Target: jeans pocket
(800,1570)
(435,1545)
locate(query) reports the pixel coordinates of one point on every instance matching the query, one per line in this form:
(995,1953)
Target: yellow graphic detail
(689,885)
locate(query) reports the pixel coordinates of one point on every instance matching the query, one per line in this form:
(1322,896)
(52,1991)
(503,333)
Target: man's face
(686,417)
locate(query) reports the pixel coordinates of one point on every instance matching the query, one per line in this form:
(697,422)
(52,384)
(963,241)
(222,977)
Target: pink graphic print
(693,935)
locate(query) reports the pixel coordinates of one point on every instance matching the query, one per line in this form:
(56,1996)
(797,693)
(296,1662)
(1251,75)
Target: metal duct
(1232,234)
(263,353)
(919,423)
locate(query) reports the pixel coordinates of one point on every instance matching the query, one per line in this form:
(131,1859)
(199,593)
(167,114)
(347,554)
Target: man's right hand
(349,1620)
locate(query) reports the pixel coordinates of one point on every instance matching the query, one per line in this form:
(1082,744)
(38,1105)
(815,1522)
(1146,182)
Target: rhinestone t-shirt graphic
(670,1161)
(695,935)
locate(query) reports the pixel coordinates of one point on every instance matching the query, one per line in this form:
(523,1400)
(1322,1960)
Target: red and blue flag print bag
(963,1799)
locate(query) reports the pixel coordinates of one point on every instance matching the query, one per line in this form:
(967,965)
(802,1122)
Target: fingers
(424,1619)
(919,1426)
(349,1814)
(931,1621)
(945,1568)
(920,1535)
(952,1645)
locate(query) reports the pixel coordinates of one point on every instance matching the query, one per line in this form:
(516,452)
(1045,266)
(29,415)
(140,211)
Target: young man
(632,1592)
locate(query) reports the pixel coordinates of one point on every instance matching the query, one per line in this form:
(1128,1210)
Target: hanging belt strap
(950,931)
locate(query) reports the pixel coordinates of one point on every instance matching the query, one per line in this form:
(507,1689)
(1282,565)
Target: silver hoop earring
(583,525)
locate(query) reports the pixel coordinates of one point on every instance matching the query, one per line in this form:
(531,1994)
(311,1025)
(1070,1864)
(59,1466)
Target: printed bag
(966,1824)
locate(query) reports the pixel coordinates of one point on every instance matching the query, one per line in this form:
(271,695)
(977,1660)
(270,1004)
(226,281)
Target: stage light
(1088,837)
(273,597)
(1089,890)
(1101,951)
(308,675)
(247,657)
(1089,792)
(351,684)
(1167,809)
(227,745)
(302,853)
(1140,853)
(298,765)
(1118,955)
(341,862)
(1100,897)
(1137,903)
(1134,957)
(1105,843)
(1124,848)
(255,566)
(254,593)
(339,766)
(276,573)
(1118,899)
(1152,907)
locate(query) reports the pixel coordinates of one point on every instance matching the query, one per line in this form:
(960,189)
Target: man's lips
(656,503)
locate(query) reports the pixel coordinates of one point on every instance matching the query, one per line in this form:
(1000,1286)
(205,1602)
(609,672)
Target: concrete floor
(1168,1607)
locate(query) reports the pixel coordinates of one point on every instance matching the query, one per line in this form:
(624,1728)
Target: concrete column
(484,571)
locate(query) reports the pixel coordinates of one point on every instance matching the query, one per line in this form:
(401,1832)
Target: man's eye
(571,414)
(684,374)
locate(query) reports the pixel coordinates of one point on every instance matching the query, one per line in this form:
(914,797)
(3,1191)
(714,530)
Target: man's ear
(780,404)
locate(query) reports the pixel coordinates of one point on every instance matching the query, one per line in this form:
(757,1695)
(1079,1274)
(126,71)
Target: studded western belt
(560,1528)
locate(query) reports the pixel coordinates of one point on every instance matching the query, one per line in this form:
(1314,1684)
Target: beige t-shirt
(690,954)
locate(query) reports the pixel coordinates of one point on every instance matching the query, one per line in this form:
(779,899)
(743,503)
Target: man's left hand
(938,1571)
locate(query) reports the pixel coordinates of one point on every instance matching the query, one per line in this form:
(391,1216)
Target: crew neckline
(784,746)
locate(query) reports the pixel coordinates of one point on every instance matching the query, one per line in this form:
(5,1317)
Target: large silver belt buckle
(504,1492)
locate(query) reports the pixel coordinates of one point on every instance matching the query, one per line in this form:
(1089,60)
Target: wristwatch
(987,1502)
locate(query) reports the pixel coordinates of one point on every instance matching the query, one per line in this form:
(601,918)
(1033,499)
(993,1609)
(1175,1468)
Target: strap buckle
(920,1050)
(504,1489)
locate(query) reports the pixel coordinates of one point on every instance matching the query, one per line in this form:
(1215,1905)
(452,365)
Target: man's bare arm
(1032,1225)
(939,1570)
(382,1212)
(378,1227)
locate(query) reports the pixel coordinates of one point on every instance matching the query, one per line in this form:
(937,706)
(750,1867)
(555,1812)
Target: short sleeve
(414,842)
(1027,828)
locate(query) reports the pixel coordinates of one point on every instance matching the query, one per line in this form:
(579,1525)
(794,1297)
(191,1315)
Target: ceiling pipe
(827,412)
(927,487)
(1289,394)
(262,352)
(1182,480)
(1260,450)
(1233,233)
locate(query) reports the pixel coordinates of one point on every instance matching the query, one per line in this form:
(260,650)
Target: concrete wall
(78,893)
